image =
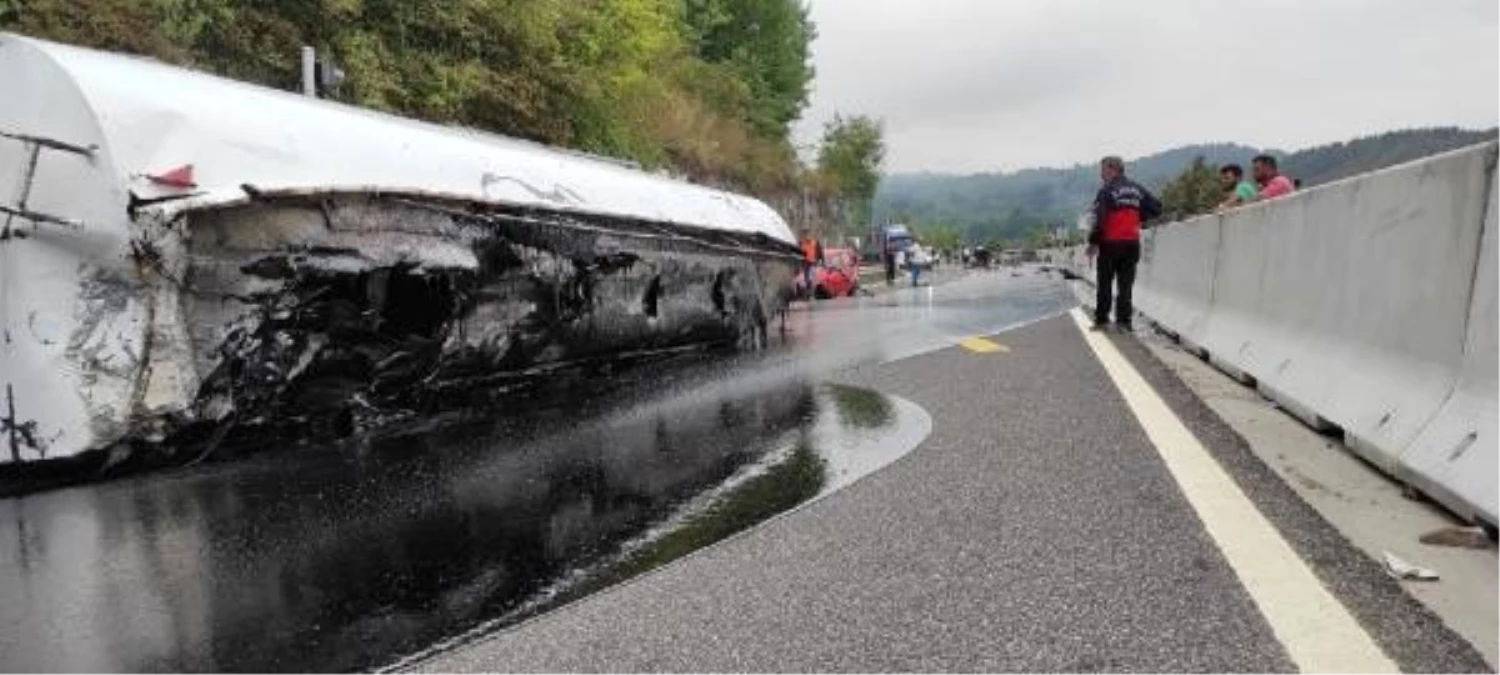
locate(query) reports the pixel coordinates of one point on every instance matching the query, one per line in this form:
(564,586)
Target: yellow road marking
(980,345)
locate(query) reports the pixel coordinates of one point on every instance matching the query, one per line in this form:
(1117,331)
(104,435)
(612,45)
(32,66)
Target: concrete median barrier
(1083,263)
(1454,459)
(1176,277)
(1348,304)
(1233,332)
(1366,306)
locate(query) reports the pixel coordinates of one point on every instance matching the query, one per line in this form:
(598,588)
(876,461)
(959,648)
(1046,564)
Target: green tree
(1193,192)
(849,158)
(941,236)
(124,25)
(767,43)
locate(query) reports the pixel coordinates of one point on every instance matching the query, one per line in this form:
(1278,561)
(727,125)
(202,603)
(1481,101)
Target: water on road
(360,554)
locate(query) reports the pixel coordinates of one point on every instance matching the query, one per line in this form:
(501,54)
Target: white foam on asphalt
(1316,630)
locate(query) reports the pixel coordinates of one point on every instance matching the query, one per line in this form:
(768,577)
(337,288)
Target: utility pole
(319,77)
(309,71)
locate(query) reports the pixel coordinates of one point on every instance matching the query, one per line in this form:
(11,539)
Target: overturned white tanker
(183,255)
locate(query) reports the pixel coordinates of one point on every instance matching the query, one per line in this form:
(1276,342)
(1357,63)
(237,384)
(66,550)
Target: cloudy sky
(971,85)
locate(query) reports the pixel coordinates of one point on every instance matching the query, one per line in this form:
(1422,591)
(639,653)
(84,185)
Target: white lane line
(1316,630)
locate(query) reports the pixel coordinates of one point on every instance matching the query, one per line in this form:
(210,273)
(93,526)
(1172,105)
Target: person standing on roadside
(1240,191)
(916,259)
(1272,183)
(1119,210)
(812,257)
(890,263)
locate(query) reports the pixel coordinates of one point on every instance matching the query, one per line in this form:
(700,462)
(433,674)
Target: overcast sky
(972,85)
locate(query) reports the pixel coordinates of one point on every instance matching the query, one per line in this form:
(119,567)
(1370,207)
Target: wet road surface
(1040,527)
(364,553)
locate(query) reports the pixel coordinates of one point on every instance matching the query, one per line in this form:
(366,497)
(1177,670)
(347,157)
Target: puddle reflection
(351,557)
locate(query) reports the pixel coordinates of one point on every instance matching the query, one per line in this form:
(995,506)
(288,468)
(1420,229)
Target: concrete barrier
(1367,305)
(1081,264)
(1454,459)
(1233,327)
(1350,302)
(1177,292)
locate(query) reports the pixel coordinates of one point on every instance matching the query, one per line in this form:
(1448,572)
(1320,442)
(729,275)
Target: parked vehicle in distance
(980,258)
(837,277)
(897,236)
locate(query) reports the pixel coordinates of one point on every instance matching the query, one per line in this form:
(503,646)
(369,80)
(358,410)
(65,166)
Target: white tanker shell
(85,137)
(149,118)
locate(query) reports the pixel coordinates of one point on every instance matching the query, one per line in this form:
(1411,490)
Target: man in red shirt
(1268,177)
(1119,210)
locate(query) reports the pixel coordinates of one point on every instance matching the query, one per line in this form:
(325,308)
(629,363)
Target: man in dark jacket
(1120,208)
(890,263)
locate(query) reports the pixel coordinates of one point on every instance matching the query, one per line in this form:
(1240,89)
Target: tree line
(1197,189)
(1022,207)
(704,89)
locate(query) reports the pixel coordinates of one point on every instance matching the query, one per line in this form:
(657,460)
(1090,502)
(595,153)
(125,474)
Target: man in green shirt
(1240,191)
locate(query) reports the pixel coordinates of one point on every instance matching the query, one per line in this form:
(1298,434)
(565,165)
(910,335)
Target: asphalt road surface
(1074,509)
(358,554)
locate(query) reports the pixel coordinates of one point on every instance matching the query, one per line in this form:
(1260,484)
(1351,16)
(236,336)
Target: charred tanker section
(269,255)
(303,314)
(348,307)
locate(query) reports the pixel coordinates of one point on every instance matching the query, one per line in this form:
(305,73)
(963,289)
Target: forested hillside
(1009,206)
(1326,163)
(1013,206)
(705,88)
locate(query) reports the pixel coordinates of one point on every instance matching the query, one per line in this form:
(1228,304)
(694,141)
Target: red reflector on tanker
(181,177)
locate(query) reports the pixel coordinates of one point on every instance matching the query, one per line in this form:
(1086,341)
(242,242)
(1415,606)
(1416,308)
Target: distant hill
(1327,163)
(1007,206)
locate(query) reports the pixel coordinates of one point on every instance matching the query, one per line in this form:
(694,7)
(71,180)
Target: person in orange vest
(812,257)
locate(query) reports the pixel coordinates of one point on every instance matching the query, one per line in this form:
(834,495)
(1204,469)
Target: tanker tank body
(185,257)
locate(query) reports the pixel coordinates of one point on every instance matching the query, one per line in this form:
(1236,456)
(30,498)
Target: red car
(838,276)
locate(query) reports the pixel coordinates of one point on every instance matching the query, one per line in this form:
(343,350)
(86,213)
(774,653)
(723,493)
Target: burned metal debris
(324,314)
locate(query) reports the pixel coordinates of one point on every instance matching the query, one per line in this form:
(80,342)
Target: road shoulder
(1339,514)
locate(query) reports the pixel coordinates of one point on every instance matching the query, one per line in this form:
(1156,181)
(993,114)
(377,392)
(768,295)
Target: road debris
(1406,571)
(1458,537)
